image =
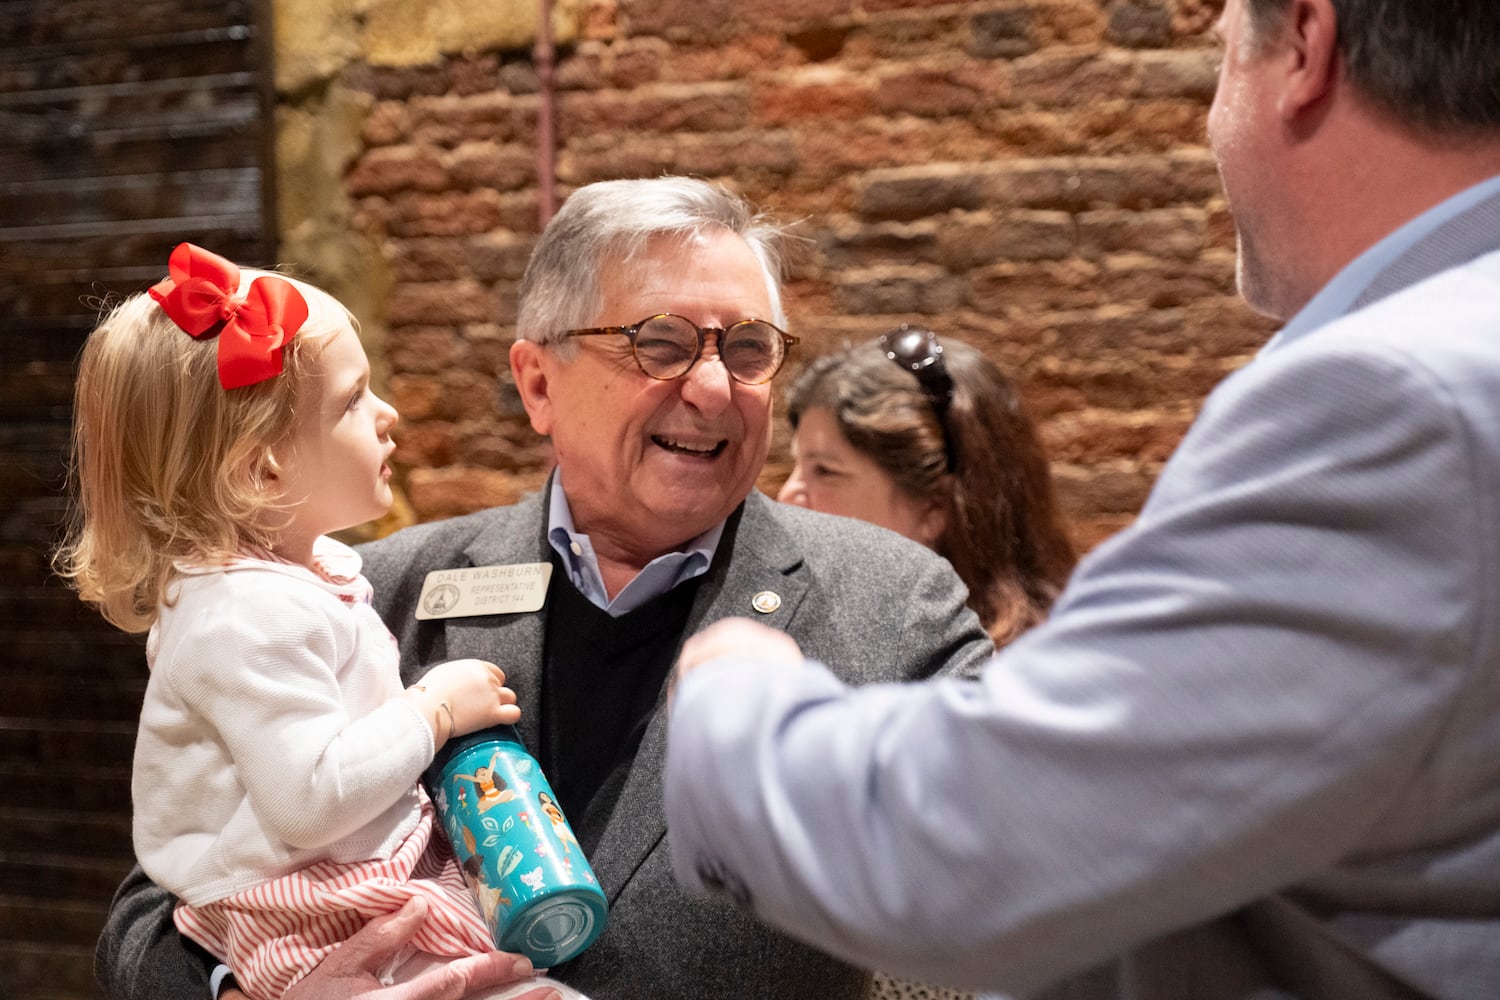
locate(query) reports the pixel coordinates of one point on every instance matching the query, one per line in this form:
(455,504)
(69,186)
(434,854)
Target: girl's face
(334,464)
(832,476)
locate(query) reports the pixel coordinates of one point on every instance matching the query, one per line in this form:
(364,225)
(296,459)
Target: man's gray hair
(1428,63)
(608,223)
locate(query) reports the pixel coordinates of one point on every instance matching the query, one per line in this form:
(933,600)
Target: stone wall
(1028,175)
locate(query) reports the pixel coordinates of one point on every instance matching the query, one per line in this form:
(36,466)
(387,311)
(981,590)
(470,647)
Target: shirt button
(575,548)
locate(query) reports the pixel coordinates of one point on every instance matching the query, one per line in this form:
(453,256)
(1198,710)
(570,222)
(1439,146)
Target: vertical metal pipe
(546,153)
(263,55)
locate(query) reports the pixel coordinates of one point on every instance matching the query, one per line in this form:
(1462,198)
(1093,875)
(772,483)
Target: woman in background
(933,441)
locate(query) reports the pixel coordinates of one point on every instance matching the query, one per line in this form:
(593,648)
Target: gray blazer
(883,608)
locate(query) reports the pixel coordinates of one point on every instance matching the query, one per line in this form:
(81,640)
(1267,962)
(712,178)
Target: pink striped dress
(275,933)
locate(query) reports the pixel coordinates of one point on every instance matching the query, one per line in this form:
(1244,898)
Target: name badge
(484,590)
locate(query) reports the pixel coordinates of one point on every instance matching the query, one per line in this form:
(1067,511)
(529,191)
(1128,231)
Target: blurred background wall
(124,129)
(1028,175)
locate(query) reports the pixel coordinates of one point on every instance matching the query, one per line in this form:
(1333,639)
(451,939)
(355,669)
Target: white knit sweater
(272,734)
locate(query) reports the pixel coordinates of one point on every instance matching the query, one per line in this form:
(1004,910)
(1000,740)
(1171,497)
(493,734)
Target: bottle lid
(456,746)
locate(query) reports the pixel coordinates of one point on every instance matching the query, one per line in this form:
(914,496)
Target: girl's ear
(265,465)
(263,469)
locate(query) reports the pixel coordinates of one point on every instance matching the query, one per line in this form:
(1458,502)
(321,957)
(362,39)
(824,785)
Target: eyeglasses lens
(667,346)
(752,351)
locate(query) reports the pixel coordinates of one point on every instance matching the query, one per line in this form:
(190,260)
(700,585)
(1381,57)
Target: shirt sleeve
(280,682)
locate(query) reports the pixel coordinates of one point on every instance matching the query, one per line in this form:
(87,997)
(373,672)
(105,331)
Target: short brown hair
(1428,63)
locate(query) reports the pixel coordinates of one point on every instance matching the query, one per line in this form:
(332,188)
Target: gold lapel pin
(765,602)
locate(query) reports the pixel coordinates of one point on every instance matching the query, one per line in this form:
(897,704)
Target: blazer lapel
(755,557)
(512,642)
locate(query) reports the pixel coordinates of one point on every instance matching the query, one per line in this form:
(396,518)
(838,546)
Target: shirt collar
(1338,297)
(659,575)
(336,568)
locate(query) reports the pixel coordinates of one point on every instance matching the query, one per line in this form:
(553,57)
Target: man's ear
(529,367)
(1311,33)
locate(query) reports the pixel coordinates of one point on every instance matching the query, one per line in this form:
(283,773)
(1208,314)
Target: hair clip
(199,296)
(916,350)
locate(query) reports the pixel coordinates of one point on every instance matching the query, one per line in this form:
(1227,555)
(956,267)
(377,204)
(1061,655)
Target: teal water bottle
(534,886)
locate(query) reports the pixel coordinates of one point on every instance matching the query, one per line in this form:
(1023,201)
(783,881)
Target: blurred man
(1256,750)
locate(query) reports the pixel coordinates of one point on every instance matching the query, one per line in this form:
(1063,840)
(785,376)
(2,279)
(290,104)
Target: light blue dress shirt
(1339,296)
(659,575)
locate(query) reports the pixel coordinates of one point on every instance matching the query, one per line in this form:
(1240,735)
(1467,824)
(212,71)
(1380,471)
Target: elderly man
(649,328)
(1256,749)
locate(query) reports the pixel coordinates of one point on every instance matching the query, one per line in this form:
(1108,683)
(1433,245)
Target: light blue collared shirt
(1338,297)
(659,575)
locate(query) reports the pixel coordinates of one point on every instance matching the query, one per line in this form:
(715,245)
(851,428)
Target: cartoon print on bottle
(492,788)
(559,825)
(530,877)
(489,897)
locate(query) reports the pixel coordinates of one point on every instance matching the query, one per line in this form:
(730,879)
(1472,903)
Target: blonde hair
(166,464)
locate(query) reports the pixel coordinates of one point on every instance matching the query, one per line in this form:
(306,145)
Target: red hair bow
(199,296)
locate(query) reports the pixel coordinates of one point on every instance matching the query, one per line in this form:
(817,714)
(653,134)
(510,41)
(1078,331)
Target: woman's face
(832,476)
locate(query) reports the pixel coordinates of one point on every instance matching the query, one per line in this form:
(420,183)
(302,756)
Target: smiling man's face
(648,465)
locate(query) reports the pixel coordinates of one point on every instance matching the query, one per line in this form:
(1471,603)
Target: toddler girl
(224,426)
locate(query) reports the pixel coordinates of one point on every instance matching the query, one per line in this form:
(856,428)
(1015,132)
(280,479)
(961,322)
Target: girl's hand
(463,696)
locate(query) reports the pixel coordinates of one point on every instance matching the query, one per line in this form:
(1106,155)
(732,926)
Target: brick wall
(1029,175)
